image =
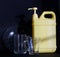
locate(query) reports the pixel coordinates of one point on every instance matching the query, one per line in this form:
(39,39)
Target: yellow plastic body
(44,33)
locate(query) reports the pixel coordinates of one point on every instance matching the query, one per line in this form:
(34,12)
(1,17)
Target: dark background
(11,12)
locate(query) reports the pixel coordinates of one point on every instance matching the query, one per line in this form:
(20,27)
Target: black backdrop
(12,10)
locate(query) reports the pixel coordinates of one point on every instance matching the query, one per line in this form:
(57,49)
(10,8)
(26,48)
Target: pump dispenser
(35,15)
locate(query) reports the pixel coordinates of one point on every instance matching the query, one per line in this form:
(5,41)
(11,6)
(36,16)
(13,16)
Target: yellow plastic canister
(44,32)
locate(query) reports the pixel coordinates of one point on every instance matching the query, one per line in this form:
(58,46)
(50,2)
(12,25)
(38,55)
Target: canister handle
(48,12)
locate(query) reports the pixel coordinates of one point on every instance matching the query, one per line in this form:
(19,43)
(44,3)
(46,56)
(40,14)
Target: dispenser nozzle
(34,8)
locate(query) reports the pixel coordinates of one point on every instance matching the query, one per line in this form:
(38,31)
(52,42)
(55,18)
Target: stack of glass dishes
(17,43)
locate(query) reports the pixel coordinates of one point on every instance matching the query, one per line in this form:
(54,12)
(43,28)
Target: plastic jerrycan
(44,32)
